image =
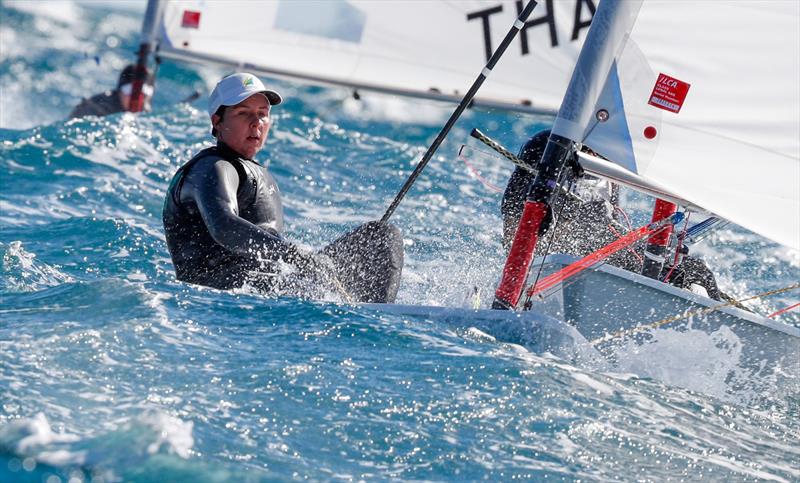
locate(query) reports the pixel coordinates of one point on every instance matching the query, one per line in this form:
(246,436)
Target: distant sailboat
(430,49)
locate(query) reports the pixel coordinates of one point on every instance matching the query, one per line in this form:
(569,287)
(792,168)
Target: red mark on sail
(650,132)
(191,20)
(669,93)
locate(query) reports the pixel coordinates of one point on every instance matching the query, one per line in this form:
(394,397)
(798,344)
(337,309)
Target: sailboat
(695,103)
(693,130)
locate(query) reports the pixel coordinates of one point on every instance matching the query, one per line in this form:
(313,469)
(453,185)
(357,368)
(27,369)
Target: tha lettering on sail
(549,19)
(669,93)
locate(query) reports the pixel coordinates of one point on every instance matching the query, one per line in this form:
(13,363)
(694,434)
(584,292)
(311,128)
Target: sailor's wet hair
(221,113)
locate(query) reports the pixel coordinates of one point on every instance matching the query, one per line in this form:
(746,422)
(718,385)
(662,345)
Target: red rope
(484,181)
(784,310)
(614,231)
(591,259)
(625,215)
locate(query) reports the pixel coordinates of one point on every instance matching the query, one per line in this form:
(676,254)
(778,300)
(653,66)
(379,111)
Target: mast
(610,29)
(150,27)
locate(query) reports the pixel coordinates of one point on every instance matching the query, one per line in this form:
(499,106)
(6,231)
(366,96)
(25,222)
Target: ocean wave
(112,370)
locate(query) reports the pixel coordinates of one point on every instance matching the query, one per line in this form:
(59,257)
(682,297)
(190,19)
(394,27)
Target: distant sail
(703,102)
(432,48)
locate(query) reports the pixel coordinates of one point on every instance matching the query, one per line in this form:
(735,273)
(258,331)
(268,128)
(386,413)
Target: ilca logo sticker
(669,93)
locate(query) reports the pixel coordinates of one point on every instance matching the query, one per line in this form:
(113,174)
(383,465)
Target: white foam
(23,273)
(741,467)
(173,435)
(479,335)
(62,457)
(63,11)
(567,445)
(692,359)
(598,386)
(446,347)
(25,435)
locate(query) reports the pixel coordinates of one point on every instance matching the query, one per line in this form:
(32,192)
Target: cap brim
(273,97)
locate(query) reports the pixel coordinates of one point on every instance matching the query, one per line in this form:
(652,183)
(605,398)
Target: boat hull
(610,317)
(612,307)
(535,331)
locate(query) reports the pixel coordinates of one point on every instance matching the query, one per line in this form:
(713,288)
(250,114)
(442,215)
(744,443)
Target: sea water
(111,370)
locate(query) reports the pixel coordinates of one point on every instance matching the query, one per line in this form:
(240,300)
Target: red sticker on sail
(669,93)
(191,20)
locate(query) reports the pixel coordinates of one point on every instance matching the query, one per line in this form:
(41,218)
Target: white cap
(237,87)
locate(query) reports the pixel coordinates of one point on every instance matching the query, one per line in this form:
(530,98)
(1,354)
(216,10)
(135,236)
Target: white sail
(732,147)
(703,101)
(430,48)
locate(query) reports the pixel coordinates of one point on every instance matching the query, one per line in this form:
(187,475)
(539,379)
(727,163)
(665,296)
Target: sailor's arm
(213,187)
(85,108)
(101,104)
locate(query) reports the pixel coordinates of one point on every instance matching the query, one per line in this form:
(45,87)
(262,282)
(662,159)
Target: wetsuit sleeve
(101,104)
(212,186)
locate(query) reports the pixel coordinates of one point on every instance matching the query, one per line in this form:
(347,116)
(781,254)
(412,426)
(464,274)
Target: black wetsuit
(223,220)
(584,227)
(101,104)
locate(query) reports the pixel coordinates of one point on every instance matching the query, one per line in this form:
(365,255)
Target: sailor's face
(125,91)
(244,127)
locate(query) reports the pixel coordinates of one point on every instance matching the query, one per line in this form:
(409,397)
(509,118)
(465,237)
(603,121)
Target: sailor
(113,101)
(588,219)
(223,216)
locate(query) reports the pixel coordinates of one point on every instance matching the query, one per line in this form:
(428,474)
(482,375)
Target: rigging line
(624,215)
(477,175)
(597,256)
(784,310)
(703,311)
(465,102)
(619,235)
(678,249)
(499,148)
(490,154)
(337,284)
(575,275)
(556,288)
(477,134)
